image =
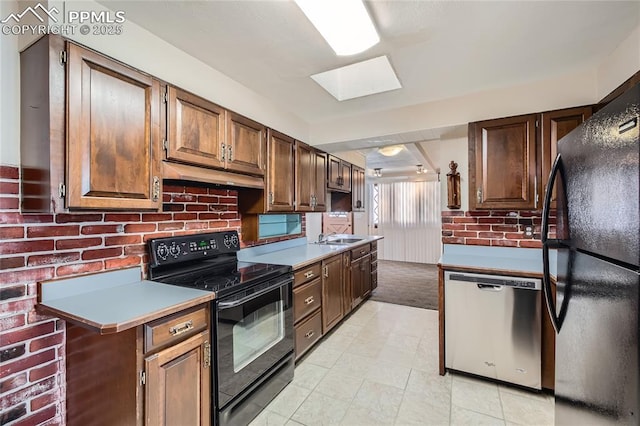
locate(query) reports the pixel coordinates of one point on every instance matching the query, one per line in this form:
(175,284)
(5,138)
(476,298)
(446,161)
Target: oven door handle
(233,304)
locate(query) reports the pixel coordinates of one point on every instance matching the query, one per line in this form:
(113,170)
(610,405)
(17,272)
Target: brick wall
(36,247)
(494,228)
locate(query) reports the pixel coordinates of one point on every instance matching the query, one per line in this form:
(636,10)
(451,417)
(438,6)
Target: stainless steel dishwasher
(492,327)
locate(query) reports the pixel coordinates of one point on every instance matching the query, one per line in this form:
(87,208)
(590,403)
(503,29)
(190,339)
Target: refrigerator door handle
(546,243)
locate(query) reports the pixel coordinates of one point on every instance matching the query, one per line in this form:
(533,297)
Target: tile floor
(380,366)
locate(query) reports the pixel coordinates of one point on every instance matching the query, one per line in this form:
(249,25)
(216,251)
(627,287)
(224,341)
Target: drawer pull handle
(309,334)
(308,300)
(363,251)
(308,274)
(181,328)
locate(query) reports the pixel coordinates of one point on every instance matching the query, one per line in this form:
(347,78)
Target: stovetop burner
(207,262)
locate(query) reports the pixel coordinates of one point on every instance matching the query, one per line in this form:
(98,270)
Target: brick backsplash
(494,228)
(37,247)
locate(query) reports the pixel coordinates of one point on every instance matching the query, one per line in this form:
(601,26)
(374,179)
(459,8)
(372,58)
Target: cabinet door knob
(223,150)
(230,157)
(479,195)
(326,272)
(271,198)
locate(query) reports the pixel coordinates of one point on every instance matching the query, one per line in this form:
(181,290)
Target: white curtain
(408,216)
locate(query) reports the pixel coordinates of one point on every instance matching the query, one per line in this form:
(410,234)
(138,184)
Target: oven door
(254,333)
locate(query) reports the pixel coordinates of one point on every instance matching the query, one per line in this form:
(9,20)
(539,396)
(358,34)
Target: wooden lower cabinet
(308,332)
(307,307)
(153,374)
(325,292)
(178,384)
(360,272)
(332,292)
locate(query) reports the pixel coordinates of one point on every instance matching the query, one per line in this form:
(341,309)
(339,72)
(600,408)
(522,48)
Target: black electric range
(251,318)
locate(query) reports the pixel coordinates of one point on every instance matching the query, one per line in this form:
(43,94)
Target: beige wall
(442,152)
(621,64)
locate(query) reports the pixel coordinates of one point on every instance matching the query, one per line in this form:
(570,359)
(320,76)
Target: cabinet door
(304,181)
(334,171)
(112,134)
(195,129)
(246,145)
(320,183)
(280,184)
(332,293)
(502,163)
(178,384)
(345,176)
(365,268)
(355,270)
(357,188)
(555,126)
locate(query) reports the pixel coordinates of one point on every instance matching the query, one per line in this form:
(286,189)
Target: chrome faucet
(323,238)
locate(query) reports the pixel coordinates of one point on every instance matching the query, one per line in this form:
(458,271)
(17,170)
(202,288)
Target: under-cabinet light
(344,24)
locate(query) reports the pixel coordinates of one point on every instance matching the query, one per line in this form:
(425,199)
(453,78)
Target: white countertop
(114,301)
(498,258)
(299,252)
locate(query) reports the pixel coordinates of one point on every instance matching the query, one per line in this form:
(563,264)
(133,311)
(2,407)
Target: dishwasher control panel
(496,280)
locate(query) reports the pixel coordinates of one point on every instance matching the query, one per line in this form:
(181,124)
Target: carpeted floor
(406,283)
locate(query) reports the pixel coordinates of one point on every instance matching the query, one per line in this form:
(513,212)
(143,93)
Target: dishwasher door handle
(490,287)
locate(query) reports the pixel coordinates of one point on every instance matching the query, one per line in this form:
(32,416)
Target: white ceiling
(439,49)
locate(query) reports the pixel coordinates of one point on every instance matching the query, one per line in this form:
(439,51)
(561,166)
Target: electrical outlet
(528,231)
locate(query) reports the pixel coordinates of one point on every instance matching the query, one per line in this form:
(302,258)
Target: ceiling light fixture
(344,24)
(377,172)
(391,150)
(421,169)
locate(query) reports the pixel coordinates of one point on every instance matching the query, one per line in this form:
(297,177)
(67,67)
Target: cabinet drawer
(303,275)
(174,328)
(306,299)
(374,245)
(374,265)
(358,252)
(374,256)
(307,333)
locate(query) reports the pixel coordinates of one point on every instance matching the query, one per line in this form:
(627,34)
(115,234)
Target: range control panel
(189,247)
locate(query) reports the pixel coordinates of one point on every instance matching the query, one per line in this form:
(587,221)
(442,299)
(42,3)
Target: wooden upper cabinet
(304,177)
(502,163)
(346,176)
(357,188)
(196,129)
(556,125)
(246,145)
(320,190)
(338,174)
(311,178)
(113,134)
(280,172)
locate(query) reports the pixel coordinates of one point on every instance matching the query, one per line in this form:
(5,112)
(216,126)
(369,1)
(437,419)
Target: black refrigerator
(595,311)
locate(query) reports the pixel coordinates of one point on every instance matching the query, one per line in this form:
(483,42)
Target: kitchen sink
(341,241)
